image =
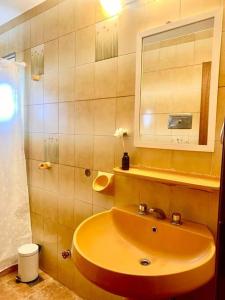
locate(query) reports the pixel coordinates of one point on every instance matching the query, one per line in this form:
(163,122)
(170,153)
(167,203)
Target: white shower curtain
(14,204)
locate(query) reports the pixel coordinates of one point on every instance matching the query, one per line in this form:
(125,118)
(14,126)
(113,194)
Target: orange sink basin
(140,257)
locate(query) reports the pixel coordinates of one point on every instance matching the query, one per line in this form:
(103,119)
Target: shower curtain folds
(15,228)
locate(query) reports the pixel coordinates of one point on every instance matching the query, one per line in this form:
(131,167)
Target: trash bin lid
(28,249)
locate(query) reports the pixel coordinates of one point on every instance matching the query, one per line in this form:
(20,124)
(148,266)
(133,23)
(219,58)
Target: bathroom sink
(142,257)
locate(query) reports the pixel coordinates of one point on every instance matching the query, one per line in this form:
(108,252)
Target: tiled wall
(77,105)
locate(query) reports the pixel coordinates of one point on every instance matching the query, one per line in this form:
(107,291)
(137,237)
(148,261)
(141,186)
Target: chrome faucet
(143,209)
(156,212)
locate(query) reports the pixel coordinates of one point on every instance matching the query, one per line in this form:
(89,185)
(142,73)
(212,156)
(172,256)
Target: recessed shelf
(205,183)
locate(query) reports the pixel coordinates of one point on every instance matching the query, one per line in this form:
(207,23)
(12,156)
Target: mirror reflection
(175,84)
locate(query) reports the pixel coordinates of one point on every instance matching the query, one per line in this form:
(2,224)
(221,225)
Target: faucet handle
(143,209)
(176,219)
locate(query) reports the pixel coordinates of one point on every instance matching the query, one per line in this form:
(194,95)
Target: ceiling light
(111,7)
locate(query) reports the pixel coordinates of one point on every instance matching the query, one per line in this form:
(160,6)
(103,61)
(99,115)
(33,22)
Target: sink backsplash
(195,205)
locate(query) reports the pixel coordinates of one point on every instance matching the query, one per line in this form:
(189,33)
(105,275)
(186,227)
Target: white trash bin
(28,262)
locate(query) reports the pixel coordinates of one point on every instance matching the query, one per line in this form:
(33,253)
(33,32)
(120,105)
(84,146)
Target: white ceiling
(10,9)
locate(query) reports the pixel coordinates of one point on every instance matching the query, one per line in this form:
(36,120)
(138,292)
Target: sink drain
(144,262)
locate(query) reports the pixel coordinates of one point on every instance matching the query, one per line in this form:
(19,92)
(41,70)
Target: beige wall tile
(195,162)
(52,148)
(124,195)
(155,195)
(128,29)
(83,210)
(84,13)
(50,210)
(156,13)
(51,118)
(51,88)
(155,158)
(103,200)
(85,45)
(152,14)
(66,117)
(84,82)
(66,16)
(66,211)
(84,121)
(51,24)
(36,93)
(182,201)
(37,175)
(125,113)
(104,116)
(104,153)
(49,255)
(83,187)
(126,75)
(36,200)
(24,35)
(106,78)
(200,6)
(98,209)
(36,146)
(67,51)
(66,149)
(36,118)
(37,226)
(66,181)
(51,178)
(66,268)
(51,56)
(66,84)
(37,30)
(13,40)
(84,151)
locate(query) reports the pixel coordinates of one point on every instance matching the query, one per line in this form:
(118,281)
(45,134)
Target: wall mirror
(177,84)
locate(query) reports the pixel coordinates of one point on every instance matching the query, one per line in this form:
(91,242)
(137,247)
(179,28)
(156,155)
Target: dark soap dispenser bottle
(125,161)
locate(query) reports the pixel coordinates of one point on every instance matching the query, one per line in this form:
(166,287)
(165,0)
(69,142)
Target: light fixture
(111,7)
(7,102)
